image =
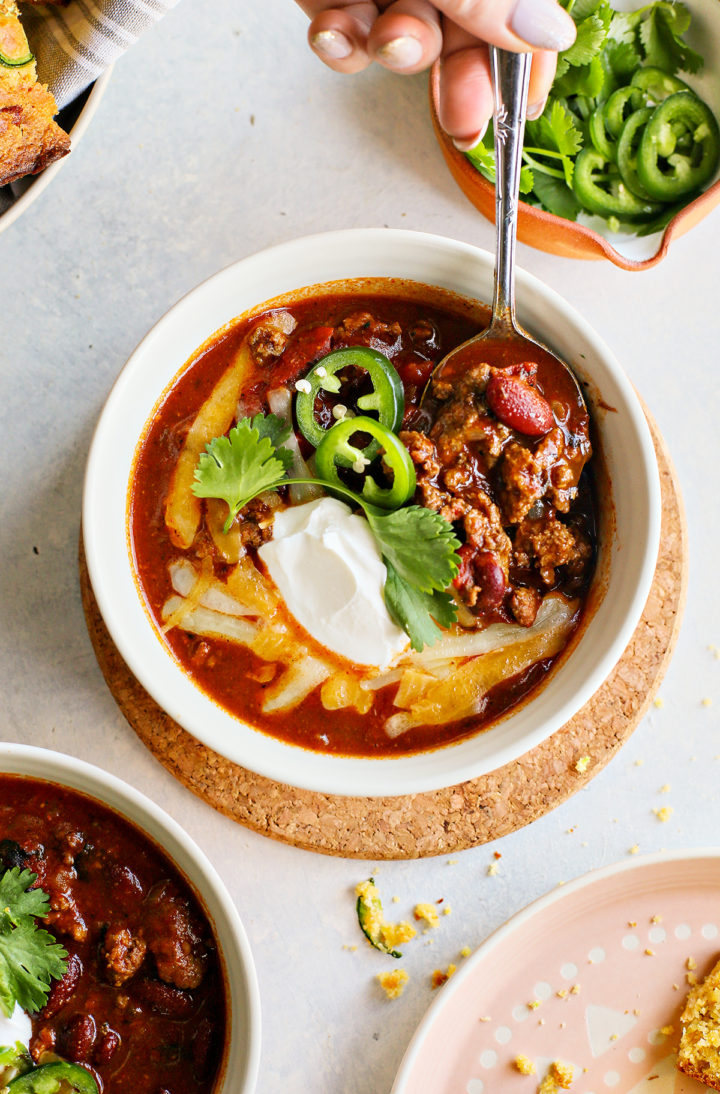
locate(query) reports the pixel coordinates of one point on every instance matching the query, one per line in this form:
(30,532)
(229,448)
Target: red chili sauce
(142,1004)
(415,330)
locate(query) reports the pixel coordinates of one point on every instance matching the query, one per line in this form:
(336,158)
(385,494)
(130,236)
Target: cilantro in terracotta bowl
(626,153)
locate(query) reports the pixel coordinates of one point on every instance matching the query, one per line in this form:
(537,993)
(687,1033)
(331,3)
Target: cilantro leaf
(482,157)
(557,197)
(18,901)
(419,544)
(416,611)
(278,430)
(623,58)
(29,956)
(238,467)
(591,35)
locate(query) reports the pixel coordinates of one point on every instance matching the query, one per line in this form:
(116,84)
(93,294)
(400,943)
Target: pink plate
(594,974)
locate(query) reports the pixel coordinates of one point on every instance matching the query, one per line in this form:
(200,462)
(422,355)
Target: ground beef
(502,491)
(267,340)
(123,953)
(173,939)
(546,543)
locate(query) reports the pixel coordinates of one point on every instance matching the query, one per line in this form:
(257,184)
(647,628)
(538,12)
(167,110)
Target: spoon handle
(510,78)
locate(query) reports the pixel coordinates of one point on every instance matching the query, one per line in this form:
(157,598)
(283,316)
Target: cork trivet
(442,821)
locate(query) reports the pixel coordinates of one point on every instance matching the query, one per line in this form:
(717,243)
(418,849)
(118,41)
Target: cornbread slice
(699,1052)
(30,139)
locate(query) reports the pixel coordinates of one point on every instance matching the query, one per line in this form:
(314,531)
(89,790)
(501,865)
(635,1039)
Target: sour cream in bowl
(439,604)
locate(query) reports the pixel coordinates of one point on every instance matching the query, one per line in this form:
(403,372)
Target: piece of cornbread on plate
(699,1052)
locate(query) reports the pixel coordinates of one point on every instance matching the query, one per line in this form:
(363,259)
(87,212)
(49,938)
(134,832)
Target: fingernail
(331,43)
(401,52)
(543,24)
(533,112)
(468,143)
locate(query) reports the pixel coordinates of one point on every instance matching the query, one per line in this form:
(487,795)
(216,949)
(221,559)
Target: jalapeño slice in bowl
(386,399)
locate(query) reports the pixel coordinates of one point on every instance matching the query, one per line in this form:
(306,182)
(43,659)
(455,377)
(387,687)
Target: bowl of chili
(628,156)
(233,706)
(157,987)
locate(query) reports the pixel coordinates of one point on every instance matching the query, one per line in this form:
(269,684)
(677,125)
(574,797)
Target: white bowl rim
(57,767)
(44,178)
(250,748)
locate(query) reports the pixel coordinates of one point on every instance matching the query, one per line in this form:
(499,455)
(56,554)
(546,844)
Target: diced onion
(211,624)
(280,403)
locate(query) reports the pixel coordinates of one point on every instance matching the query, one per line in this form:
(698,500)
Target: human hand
(409,35)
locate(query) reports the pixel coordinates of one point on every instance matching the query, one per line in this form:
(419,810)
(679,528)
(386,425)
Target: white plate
(593,974)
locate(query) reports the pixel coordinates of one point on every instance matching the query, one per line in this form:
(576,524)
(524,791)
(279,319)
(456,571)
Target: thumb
(519,25)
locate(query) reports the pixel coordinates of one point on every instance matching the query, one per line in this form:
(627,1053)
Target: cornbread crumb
(658,702)
(667,1030)
(524,1065)
(447,910)
(428,912)
(649,952)
(656,919)
(559,1077)
(439,977)
(393,983)
(492,869)
(452,862)
(575,989)
(691,979)
(691,963)
(534,1005)
(639,763)
(562,994)
(485,1018)
(632,923)
(582,764)
(465,951)
(699,1052)
(375,925)
(634,849)
(396,900)
(707,701)
(664,814)
(665,788)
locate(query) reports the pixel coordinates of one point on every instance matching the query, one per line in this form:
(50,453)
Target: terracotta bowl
(591,239)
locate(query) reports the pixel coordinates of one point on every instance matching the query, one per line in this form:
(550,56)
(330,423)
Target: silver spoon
(504,342)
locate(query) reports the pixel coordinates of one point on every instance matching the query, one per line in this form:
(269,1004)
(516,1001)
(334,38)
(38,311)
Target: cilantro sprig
(608,49)
(417,545)
(29,956)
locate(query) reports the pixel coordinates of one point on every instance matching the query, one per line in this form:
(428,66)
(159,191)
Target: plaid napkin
(74,44)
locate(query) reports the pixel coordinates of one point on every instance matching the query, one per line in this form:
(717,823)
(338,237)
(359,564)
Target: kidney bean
(519,405)
(490,578)
(164,998)
(106,1047)
(63,990)
(79,1038)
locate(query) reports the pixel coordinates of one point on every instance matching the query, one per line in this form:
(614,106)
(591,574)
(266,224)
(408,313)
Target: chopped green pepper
(627,149)
(335,450)
(680,147)
(599,135)
(16,62)
(656,85)
(620,106)
(387,397)
(51,1078)
(600,189)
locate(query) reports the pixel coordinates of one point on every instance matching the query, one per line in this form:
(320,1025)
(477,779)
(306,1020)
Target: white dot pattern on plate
(611,1078)
(657,934)
(503,1035)
(596,955)
(568,971)
(683,930)
(520,1013)
(637,1055)
(488,1058)
(656,1037)
(630,942)
(542,990)
(475,1086)
(709,930)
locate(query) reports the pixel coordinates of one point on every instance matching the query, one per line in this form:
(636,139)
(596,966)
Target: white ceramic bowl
(75,119)
(627,556)
(242,1057)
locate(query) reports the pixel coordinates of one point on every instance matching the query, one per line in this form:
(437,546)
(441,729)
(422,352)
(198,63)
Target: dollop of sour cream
(326,564)
(18,1027)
